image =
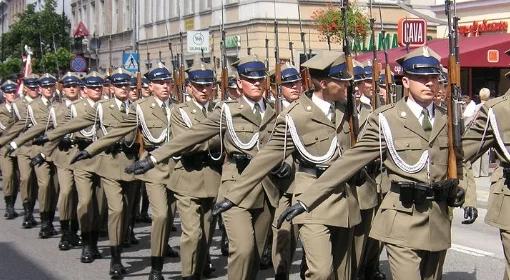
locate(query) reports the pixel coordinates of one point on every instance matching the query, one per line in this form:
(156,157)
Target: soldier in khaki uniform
(243,126)
(113,159)
(27,182)
(196,177)
(36,122)
(285,238)
(366,250)
(8,163)
(57,152)
(314,129)
(152,117)
(413,220)
(83,133)
(488,130)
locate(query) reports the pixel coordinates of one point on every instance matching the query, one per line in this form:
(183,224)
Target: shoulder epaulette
(383,108)
(494,101)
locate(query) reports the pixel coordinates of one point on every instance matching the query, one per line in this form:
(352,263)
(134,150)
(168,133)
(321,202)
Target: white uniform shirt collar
(160,102)
(285,103)
(416,109)
(323,105)
(364,99)
(90,101)
(68,102)
(28,98)
(251,103)
(119,103)
(200,106)
(8,106)
(45,100)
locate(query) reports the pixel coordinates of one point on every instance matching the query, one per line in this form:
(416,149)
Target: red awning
(474,52)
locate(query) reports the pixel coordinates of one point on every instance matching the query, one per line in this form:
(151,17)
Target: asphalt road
(476,253)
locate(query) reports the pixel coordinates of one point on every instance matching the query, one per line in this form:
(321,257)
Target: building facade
(126,25)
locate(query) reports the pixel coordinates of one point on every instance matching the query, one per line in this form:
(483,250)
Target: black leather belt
(418,193)
(151,148)
(316,170)
(82,144)
(241,160)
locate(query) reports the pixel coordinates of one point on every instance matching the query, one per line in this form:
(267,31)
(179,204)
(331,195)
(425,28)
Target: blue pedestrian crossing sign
(130,61)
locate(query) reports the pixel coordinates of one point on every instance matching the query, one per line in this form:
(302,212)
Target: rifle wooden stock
(139,84)
(306,79)
(351,103)
(376,72)
(224,83)
(182,81)
(389,82)
(452,156)
(139,136)
(278,84)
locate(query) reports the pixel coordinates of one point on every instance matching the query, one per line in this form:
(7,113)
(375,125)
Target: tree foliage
(330,23)
(46,32)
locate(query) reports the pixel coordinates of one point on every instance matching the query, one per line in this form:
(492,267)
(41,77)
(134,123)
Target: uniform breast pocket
(245,131)
(409,149)
(316,139)
(154,124)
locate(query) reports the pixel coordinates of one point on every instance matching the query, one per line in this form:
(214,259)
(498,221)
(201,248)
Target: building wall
(161,21)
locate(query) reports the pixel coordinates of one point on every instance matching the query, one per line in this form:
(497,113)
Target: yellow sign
(189,24)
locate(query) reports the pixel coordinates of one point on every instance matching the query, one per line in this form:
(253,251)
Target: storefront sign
(412,32)
(477,28)
(493,56)
(389,41)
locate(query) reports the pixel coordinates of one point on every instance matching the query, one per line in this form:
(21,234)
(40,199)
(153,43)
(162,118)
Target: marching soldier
(112,161)
(315,131)
(285,238)
(366,250)
(410,136)
(83,133)
(244,126)
(36,122)
(8,163)
(27,183)
(196,177)
(487,131)
(152,114)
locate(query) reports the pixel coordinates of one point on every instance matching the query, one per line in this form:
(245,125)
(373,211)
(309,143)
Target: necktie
(332,113)
(163,107)
(256,111)
(204,111)
(123,107)
(427,126)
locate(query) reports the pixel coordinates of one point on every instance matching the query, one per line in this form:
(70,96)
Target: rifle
(375,62)
(351,111)
(248,49)
(305,73)
(182,80)
(174,66)
(139,136)
(390,89)
(268,79)
(453,94)
(223,49)
(291,45)
(278,66)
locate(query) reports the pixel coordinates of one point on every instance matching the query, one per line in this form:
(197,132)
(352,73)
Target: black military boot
(156,268)
(170,252)
(224,243)
(94,236)
(281,276)
(209,268)
(51,218)
(46,231)
(65,240)
(116,267)
(375,274)
(10,213)
(266,259)
(74,237)
(29,220)
(87,254)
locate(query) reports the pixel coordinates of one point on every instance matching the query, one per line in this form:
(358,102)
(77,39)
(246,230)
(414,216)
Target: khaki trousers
(9,174)
(116,192)
(27,182)
(87,183)
(284,239)
(196,222)
(247,231)
(67,198)
(159,200)
(366,250)
(505,241)
(328,251)
(48,190)
(130,193)
(411,264)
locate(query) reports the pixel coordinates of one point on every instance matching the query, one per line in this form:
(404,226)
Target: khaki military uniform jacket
(367,192)
(7,118)
(475,143)
(244,127)
(424,228)
(185,179)
(20,125)
(112,164)
(150,115)
(81,123)
(316,133)
(60,156)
